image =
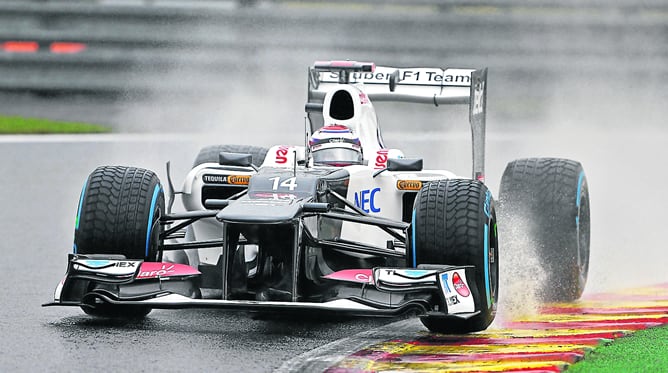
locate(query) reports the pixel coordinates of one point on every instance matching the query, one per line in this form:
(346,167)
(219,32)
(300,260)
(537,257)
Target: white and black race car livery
(341,224)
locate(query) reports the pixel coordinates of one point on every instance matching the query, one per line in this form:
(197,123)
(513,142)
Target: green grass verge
(20,125)
(642,351)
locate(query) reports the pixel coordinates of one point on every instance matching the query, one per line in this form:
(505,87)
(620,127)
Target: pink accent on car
(364,66)
(363,276)
(159,269)
(364,99)
(342,63)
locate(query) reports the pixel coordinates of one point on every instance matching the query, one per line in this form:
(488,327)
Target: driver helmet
(335,145)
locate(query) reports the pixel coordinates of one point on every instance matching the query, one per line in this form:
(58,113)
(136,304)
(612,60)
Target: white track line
(323,357)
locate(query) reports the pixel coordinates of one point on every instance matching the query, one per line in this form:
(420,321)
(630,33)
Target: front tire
(119,214)
(454,222)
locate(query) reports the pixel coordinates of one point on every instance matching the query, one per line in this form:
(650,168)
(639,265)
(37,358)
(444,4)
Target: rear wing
(436,86)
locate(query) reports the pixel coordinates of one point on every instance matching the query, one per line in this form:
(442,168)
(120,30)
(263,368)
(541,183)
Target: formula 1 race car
(339,225)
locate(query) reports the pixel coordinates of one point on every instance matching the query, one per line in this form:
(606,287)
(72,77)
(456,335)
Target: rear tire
(549,199)
(209,154)
(454,223)
(119,213)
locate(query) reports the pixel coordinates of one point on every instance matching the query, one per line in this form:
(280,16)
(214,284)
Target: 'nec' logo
(366,200)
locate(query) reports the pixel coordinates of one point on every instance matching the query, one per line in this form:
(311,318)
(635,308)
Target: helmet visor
(337,156)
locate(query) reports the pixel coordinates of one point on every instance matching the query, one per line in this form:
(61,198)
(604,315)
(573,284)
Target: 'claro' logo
(238,179)
(282,154)
(381,159)
(409,185)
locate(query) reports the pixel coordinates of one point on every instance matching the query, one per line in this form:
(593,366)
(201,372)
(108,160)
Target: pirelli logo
(409,185)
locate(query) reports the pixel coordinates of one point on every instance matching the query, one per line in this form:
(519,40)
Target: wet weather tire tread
(449,229)
(544,191)
(115,212)
(114,219)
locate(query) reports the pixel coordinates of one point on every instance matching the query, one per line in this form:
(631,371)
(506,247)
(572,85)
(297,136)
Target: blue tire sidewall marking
(413,240)
(81,199)
(149,228)
(487,208)
(577,198)
(486,254)
(580,182)
(78,218)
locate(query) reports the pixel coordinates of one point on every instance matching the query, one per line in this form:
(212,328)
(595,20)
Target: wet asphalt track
(39,200)
(42,178)
(614,125)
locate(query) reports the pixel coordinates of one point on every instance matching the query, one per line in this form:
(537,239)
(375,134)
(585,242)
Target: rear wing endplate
(434,86)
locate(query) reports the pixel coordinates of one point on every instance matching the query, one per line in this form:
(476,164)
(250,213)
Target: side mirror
(404,164)
(401,164)
(235,159)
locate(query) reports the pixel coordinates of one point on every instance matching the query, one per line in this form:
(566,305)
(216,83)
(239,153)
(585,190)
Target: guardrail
(146,46)
(560,4)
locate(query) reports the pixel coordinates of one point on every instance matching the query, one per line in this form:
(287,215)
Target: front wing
(447,291)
